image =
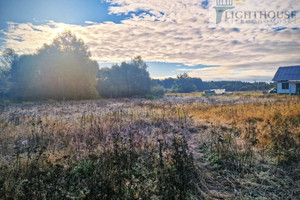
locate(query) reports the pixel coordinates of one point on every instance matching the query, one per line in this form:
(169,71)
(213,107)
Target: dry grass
(265,124)
(239,113)
(241,147)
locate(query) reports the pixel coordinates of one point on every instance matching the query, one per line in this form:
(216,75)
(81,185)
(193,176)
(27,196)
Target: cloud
(174,31)
(231,73)
(90,22)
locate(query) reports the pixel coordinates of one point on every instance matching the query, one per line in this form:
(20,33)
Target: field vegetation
(241,147)
(59,139)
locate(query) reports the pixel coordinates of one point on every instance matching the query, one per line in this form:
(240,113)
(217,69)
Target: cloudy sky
(172,36)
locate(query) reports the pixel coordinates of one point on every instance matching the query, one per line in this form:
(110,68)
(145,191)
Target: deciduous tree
(125,80)
(60,70)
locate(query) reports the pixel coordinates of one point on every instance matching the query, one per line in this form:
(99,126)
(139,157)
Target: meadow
(175,147)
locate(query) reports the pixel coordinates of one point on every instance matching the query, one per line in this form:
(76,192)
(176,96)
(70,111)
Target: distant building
(288,80)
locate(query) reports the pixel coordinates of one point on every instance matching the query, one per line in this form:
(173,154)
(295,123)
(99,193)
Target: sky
(172,36)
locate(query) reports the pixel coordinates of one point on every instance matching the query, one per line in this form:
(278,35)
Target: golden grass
(237,113)
(269,125)
(158,138)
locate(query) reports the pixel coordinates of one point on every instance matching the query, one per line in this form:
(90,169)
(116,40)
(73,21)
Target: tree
(184,83)
(9,57)
(197,82)
(125,80)
(61,70)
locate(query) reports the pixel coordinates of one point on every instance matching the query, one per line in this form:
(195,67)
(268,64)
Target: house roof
(291,73)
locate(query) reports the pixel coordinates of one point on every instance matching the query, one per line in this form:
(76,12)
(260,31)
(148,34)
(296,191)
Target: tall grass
(170,148)
(270,126)
(109,156)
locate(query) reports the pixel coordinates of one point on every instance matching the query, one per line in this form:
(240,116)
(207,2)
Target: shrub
(158,91)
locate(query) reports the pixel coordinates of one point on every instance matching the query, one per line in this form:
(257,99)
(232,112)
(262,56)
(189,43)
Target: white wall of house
(291,90)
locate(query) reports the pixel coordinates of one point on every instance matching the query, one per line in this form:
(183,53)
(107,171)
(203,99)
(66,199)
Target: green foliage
(125,80)
(158,91)
(237,85)
(207,85)
(9,57)
(166,83)
(61,70)
(183,84)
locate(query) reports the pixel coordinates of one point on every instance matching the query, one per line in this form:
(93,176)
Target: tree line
(64,70)
(185,84)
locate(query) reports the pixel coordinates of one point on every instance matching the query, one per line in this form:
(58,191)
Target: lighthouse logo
(236,14)
(223,5)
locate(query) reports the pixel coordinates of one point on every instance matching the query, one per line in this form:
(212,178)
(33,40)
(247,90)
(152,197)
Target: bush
(158,91)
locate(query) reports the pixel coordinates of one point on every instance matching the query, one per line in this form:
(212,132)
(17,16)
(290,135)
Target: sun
(61,28)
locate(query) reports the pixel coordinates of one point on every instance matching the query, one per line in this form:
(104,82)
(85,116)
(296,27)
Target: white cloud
(175,31)
(90,22)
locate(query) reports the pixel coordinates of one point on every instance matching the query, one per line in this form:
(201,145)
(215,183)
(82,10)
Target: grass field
(239,146)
